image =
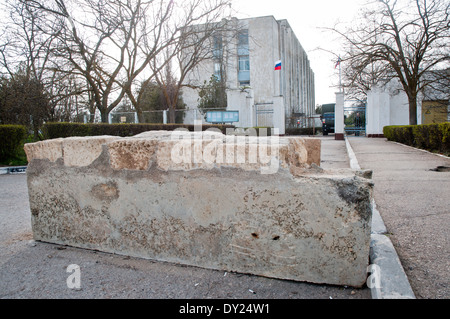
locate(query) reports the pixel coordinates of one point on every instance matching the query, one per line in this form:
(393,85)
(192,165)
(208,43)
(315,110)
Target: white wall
(399,109)
(388,105)
(278,114)
(242,101)
(339,114)
(377,111)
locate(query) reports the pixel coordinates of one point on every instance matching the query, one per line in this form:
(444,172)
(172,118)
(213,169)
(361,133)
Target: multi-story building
(266,72)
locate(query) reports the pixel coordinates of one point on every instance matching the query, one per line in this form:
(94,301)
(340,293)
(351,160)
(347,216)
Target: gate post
(339,117)
(165,116)
(279,117)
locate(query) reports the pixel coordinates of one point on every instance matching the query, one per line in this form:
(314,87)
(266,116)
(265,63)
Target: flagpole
(279,67)
(340,75)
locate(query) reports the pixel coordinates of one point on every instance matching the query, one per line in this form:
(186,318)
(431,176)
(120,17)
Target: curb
(353,160)
(419,149)
(393,282)
(13,170)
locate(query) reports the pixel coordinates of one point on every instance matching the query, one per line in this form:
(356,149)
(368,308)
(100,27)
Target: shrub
(63,130)
(444,128)
(11,140)
(427,137)
(404,134)
(431,137)
(303,131)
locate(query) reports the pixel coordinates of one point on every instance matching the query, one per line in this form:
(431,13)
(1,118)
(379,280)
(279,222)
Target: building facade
(266,72)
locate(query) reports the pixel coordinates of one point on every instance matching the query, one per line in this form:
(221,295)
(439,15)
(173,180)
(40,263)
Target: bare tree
(26,56)
(102,49)
(398,39)
(194,44)
(108,43)
(358,80)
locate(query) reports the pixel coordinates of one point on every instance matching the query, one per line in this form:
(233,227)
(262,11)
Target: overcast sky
(306,17)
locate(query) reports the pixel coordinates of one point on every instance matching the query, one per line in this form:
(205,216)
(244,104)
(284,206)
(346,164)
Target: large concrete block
(250,205)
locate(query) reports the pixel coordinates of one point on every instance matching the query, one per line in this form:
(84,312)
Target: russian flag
(338,62)
(278,65)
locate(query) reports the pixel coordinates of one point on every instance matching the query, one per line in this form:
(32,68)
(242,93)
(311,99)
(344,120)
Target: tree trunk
(172,115)
(140,115)
(412,110)
(104,116)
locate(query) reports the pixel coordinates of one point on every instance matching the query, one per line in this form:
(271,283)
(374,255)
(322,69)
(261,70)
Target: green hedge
(431,137)
(58,130)
(303,131)
(12,138)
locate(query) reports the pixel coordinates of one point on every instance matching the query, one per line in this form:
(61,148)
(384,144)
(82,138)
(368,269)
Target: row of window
(243,58)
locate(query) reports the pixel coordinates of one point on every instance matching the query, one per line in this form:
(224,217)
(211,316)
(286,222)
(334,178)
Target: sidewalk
(414,202)
(333,154)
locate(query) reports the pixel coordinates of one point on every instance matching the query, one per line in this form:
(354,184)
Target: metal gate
(355,120)
(264,114)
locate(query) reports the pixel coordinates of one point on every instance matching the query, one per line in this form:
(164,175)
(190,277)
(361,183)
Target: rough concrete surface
(413,200)
(36,270)
(30,269)
(137,199)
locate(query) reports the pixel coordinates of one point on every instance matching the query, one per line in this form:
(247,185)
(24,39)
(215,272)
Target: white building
(388,104)
(263,95)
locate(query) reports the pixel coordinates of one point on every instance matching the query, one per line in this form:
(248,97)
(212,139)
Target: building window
(243,38)
(244,63)
(243,59)
(217,47)
(218,70)
(244,70)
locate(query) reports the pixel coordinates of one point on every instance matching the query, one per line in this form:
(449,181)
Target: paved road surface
(414,202)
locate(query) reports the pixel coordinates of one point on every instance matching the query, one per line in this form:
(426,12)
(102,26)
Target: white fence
(188,116)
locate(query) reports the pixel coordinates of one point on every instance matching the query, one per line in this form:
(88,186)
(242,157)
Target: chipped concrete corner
(247,205)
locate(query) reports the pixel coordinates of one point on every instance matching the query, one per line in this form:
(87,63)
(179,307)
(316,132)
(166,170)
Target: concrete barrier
(244,204)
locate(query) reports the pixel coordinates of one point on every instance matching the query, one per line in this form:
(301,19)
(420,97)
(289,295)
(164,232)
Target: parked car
(327,123)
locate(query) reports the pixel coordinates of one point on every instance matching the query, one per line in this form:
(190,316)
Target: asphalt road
(414,202)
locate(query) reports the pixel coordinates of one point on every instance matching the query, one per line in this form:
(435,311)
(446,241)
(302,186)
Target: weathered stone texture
(138,198)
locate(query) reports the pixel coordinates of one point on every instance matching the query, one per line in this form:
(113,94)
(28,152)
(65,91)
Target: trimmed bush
(431,137)
(303,131)
(427,137)
(11,140)
(63,130)
(444,128)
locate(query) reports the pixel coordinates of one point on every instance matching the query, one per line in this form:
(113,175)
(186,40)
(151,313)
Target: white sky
(306,17)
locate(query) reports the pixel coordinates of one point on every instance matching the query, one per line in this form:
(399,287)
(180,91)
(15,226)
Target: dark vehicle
(327,118)
(327,123)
